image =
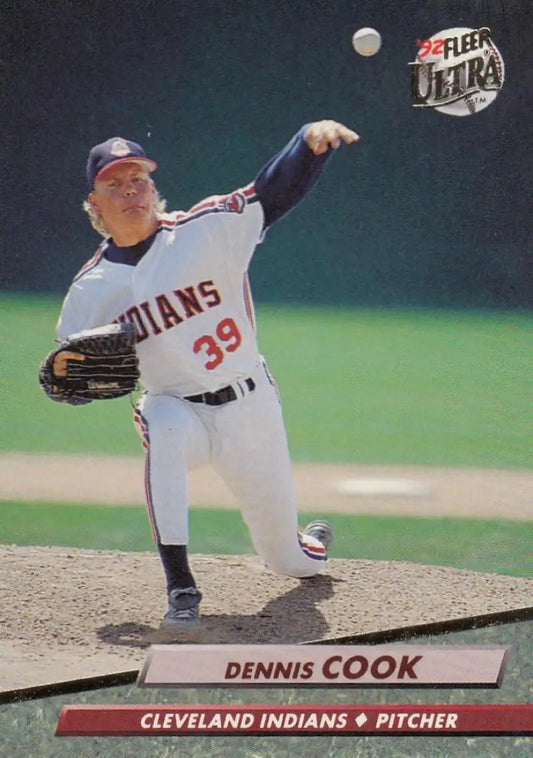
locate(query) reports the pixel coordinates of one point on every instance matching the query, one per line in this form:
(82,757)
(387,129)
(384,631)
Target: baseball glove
(96,364)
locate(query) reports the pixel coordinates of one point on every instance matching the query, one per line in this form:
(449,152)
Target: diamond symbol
(361,719)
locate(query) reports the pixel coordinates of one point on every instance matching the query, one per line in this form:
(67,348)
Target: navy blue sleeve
(288,176)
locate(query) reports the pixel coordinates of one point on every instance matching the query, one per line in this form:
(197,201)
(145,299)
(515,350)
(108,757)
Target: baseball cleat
(321,530)
(183,609)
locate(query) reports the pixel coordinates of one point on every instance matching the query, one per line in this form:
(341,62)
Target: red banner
(150,720)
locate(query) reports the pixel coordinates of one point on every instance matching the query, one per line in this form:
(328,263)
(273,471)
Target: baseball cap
(112,151)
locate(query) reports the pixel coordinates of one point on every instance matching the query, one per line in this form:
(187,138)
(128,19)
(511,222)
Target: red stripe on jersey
(214,202)
(165,224)
(170,223)
(181,216)
(209,202)
(90,263)
(248,303)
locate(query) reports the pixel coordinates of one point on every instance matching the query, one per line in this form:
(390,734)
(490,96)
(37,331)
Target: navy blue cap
(115,150)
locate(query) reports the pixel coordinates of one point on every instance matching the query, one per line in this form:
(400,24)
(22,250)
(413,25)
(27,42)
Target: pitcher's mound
(70,613)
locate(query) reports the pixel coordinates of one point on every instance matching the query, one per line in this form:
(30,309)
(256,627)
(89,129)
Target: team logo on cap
(120,148)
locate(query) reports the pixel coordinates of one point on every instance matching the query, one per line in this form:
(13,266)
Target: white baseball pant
(245,441)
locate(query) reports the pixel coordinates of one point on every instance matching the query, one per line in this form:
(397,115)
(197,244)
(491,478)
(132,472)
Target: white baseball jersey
(188,296)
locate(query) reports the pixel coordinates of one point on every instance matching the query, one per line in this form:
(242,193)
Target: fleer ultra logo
(458,71)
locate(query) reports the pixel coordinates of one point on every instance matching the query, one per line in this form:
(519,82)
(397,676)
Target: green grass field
(501,547)
(423,387)
(420,387)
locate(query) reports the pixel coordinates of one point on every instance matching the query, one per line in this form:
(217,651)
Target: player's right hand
(322,135)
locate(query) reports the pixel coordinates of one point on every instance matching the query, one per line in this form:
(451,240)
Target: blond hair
(96,219)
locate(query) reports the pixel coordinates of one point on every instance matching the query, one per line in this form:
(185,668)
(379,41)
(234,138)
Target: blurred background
(428,210)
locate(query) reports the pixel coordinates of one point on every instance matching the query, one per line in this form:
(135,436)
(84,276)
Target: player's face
(125,198)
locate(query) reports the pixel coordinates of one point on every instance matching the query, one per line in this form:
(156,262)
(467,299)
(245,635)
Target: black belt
(224,395)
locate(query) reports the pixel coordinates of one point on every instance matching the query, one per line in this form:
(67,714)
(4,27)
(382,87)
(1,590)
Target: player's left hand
(322,135)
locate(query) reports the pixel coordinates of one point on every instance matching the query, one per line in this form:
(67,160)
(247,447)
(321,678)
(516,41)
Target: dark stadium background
(428,210)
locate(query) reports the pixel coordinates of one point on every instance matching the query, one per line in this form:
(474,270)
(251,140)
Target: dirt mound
(70,613)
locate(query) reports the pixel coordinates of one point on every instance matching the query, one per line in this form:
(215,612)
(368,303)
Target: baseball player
(181,279)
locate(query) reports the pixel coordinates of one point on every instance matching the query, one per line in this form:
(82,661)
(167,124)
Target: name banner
(321,665)
(305,720)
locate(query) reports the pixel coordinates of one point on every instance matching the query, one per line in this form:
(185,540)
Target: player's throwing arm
(328,134)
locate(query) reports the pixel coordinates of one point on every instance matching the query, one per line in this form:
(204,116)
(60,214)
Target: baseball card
(266,475)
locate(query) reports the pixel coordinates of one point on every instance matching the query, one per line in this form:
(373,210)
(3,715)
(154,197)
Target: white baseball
(366,41)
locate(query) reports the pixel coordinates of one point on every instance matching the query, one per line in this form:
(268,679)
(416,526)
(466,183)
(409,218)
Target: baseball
(366,41)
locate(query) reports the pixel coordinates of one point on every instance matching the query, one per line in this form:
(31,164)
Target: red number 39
(228,333)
